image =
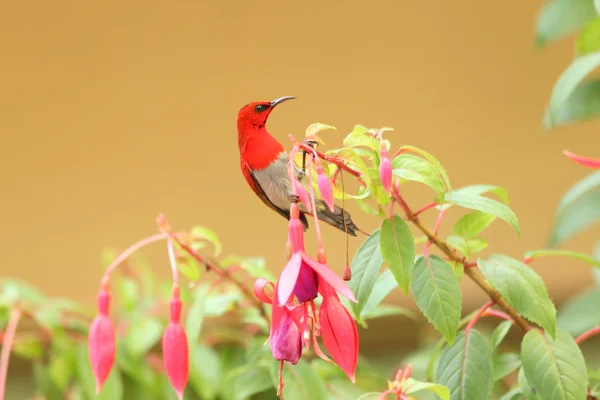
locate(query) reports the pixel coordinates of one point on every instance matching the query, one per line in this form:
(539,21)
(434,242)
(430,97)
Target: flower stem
(9,337)
(497,314)
(313,203)
(333,160)
(427,207)
(132,249)
(587,334)
(478,315)
(473,273)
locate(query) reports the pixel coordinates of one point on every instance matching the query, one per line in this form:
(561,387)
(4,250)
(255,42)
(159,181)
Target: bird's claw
(294,198)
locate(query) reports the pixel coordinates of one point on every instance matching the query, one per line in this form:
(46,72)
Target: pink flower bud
(583,160)
(101,341)
(325,188)
(301,193)
(175,349)
(385,169)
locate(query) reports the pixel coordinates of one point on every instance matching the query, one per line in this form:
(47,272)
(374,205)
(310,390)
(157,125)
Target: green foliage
(437,293)
(522,288)
(365,269)
(555,368)
(466,367)
(398,250)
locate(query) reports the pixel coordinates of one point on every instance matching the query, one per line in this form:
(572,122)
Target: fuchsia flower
(585,161)
(175,348)
(302,279)
(101,340)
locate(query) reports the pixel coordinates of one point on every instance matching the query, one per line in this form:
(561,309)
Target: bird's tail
(339,218)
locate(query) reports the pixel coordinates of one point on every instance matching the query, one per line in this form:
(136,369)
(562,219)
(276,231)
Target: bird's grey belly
(275,183)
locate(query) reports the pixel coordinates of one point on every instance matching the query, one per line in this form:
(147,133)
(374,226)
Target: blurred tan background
(111,112)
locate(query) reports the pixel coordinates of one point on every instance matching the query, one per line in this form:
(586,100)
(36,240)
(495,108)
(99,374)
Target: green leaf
(60,369)
(559,18)
(201,233)
(486,205)
(556,369)
(29,348)
(15,290)
(416,386)
(384,284)
(143,334)
(500,333)
(476,245)
(510,395)
(478,190)
(459,243)
(218,304)
(317,127)
(301,381)
(465,367)
(597,6)
(589,38)
(472,224)
(417,169)
(564,253)
(522,289)
(580,313)
(505,364)
(577,210)
(128,293)
(526,389)
(567,82)
(206,374)
(365,268)
(113,387)
(440,169)
(195,316)
(437,294)
(582,105)
(398,250)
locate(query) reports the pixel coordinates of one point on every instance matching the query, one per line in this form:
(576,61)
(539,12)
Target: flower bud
(347,274)
(325,188)
(175,348)
(101,341)
(302,195)
(295,229)
(385,169)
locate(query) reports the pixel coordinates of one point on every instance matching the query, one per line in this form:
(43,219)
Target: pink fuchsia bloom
(175,348)
(101,340)
(325,188)
(300,275)
(339,331)
(585,161)
(385,169)
(287,326)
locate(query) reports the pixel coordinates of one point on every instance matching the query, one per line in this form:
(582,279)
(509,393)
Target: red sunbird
(264,163)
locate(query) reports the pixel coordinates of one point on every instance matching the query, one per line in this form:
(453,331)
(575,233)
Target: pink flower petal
(385,173)
(330,277)
(301,192)
(325,188)
(176,356)
(101,347)
(340,334)
(259,290)
(287,279)
(585,161)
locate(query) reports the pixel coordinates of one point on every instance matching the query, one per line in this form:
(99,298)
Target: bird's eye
(260,108)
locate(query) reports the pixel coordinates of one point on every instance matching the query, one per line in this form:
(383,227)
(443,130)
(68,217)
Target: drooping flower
(299,276)
(175,348)
(339,331)
(583,160)
(101,340)
(286,332)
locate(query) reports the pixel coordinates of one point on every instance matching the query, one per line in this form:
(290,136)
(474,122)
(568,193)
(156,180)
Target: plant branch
(473,273)
(11,330)
(212,266)
(334,160)
(588,334)
(479,314)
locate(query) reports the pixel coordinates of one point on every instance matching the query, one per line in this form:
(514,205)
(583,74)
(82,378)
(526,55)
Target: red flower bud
(347,274)
(175,348)
(101,341)
(583,160)
(325,188)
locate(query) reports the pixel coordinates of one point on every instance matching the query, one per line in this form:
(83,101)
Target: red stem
(9,337)
(427,207)
(497,314)
(478,315)
(588,334)
(333,160)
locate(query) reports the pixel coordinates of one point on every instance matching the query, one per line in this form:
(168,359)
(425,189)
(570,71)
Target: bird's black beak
(281,100)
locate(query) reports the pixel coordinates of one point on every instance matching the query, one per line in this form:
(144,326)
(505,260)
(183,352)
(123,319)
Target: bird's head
(255,115)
